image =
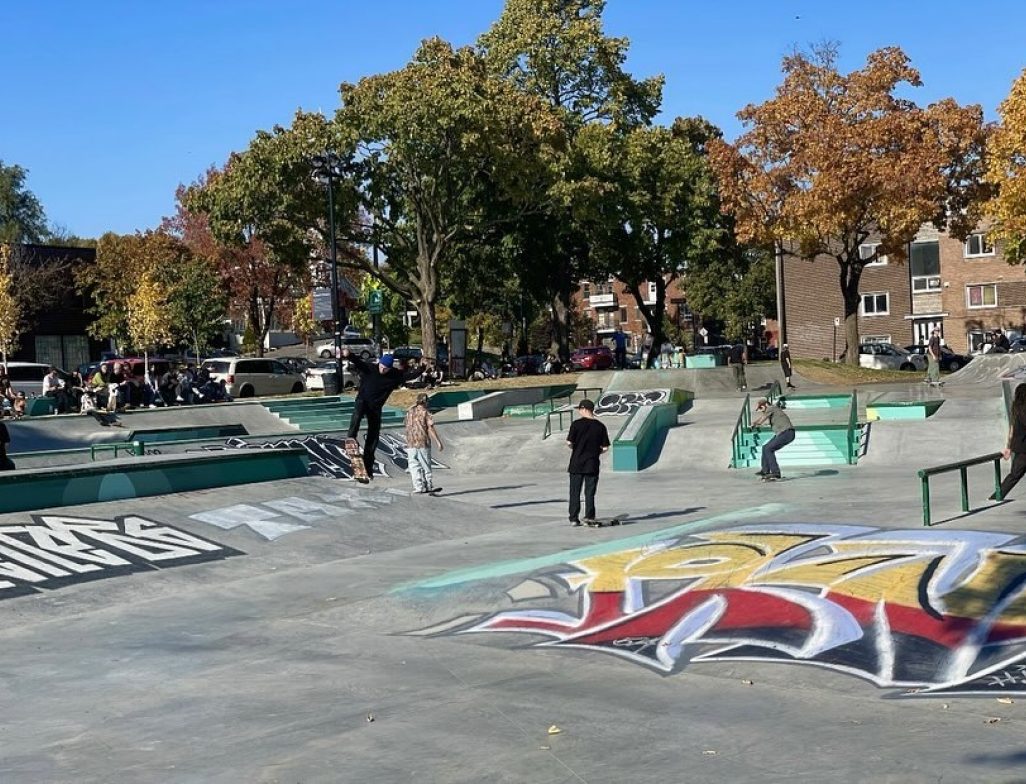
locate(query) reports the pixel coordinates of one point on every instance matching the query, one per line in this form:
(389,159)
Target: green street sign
(375,302)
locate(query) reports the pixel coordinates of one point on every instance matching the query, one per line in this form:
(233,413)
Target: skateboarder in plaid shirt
(420,430)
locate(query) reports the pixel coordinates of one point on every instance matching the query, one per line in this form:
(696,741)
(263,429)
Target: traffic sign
(375,302)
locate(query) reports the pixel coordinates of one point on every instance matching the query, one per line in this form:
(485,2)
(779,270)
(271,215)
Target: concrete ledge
(914,409)
(700,361)
(40,488)
(634,442)
(492,404)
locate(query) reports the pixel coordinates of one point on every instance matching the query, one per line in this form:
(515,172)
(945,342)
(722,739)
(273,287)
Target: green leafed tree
(440,145)
(22,219)
(557,50)
(656,212)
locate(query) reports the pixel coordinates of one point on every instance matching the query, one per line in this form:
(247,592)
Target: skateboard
(602,522)
(352,448)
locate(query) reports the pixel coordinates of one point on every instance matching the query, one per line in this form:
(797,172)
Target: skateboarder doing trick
(377,382)
(587,439)
(783,434)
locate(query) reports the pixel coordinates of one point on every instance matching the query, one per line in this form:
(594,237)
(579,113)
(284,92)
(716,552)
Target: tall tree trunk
(653,315)
(850,275)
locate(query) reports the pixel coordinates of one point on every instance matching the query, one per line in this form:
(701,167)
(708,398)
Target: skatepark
(210,628)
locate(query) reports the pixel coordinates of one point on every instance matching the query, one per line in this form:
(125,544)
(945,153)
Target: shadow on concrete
(1001,760)
(495,489)
(660,515)
(528,503)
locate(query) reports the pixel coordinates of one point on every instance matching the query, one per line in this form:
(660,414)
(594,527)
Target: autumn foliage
(834,159)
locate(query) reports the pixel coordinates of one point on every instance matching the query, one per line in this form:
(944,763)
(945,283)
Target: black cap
(586,404)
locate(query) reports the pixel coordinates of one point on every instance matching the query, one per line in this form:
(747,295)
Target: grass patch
(841,375)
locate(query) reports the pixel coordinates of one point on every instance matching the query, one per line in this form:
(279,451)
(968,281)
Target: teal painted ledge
(634,443)
(112,480)
(912,409)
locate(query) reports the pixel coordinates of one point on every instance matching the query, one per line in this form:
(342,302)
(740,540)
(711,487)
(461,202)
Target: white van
(27,377)
(254,376)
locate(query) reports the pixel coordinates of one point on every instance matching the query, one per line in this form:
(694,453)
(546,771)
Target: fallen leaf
(991,720)
(1005,700)
(370,717)
(710,752)
(554,730)
(747,682)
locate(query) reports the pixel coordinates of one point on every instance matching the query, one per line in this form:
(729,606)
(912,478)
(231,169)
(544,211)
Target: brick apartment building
(966,289)
(609,304)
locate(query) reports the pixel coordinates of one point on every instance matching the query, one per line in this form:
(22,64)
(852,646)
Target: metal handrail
(559,413)
(853,426)
(744,421)
(774,392)
(961,466)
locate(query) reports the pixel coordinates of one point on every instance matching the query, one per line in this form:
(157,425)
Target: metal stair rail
(960,466)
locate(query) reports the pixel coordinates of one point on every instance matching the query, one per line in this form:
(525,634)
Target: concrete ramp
(990,368)
(702,382)
(75,431)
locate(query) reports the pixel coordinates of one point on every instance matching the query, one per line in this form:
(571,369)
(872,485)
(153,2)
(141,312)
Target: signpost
(375,302)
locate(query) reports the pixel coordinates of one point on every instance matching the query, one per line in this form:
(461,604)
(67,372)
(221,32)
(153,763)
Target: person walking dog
(783,434)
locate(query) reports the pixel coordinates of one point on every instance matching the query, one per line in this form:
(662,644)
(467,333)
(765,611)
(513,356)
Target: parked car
(529,364)
(887,356)
(592,358)
(298,365)
(365,348)
(315,375)
(254,376)
(27,377)
(949,361)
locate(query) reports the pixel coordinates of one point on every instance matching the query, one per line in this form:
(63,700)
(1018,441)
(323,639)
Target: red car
(592,358)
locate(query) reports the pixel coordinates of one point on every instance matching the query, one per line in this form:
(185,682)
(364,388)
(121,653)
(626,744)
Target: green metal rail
(744,422)
(561,413)
(961,466)
(853,429)
(774,393)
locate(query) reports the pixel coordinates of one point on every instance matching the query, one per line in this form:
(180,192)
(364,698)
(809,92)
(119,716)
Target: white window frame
(981,287)
(983,243)
(887,303)
(870,249)
(924,284)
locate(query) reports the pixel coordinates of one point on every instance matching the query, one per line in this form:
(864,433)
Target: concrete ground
(314,630)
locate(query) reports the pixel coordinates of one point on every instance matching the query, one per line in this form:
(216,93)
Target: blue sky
(110,104)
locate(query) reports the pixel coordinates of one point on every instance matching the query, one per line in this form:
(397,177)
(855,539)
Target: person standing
(620,349)
(587,439)
(737,358)
(933,355)
(6,464)
(786,366)
(377,382)
(666,355)
(1015,445)
(420,430)
(783,434)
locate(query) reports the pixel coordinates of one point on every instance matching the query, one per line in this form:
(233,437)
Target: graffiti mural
(628,402)
(54,551)
(327,455)
(942,611)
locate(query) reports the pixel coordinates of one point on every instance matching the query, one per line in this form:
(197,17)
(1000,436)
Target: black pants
(590,482)
(1017,472)
(370,443)
(620,355)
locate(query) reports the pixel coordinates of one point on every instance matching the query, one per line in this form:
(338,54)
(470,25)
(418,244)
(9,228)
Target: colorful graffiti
(327,455)
(943,611)
(54,551)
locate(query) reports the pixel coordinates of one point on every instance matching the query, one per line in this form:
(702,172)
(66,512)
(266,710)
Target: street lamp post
(327,168)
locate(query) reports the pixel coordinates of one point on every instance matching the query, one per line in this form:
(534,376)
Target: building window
(975,340)
(978,245)
(623,315)
(982,296)
(924,262)
(651,293)
(586,290)
(876,304)
(866,251)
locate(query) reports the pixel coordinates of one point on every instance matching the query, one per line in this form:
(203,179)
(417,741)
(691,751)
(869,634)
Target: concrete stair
(324,414)
(813,445)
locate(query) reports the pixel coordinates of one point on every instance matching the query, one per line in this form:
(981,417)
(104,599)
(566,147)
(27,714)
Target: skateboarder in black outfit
(377,382)
(588,439)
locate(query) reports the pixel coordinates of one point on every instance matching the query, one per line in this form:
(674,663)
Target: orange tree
(833,159)
(1006,172)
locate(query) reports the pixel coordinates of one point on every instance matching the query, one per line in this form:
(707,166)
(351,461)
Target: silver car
(887,356)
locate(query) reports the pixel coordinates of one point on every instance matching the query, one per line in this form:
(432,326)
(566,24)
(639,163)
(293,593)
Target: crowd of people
(114,387)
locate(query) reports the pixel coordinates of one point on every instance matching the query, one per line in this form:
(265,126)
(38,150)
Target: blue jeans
(420,467)
(769,452)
